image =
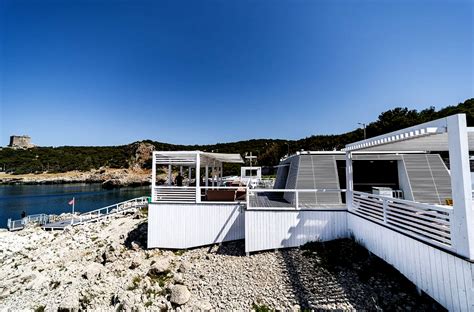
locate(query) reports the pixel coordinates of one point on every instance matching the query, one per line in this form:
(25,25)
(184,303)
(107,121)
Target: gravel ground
(322,276)
(106,267)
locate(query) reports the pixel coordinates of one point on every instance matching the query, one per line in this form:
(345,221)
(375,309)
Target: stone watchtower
(20,141)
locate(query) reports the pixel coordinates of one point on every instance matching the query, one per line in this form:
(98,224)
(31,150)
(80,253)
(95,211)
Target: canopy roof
(189,158)
(430,136)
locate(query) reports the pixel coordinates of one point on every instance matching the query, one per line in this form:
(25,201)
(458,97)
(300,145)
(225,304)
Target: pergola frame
(193,159)
(447,134)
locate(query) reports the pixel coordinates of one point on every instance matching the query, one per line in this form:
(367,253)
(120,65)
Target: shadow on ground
(342,272)
(137,235)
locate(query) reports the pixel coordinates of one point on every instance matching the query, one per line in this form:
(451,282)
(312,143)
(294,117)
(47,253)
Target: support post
(349,181)
(462,231)
(153,176)
(198,177)
(222,174)
(207,176)
(169,175)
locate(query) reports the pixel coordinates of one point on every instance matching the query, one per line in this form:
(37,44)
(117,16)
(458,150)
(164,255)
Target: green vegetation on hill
(269,152)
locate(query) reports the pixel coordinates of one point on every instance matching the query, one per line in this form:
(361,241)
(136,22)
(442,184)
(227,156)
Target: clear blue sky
(113,72)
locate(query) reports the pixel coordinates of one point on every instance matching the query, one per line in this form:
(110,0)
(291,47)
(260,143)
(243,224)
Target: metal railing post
(247,195)
(297,199)
(384,210)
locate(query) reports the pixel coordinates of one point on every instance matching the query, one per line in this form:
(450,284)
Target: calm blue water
(53,199)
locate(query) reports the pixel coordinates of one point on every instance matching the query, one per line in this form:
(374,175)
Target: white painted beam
(463,216)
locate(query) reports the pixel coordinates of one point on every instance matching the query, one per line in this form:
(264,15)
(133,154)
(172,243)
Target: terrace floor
(276,200)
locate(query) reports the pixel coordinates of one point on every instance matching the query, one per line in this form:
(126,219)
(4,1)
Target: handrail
(173,186)
(431,223)
(300,190)
(40,218)
(408,202)
(109,210)
(298,200)
(120,203)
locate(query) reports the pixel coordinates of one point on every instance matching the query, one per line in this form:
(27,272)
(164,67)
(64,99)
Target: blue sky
(112,72)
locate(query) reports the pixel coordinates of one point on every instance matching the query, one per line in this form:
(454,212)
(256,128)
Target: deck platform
(269,200)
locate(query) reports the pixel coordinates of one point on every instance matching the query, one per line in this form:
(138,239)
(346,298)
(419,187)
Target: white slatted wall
(443,276)
(189,225)
(280,229)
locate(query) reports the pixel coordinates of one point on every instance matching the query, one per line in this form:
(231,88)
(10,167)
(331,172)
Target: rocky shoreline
(110,178)
(106,266)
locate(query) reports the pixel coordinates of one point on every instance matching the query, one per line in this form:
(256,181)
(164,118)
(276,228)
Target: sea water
(54,198)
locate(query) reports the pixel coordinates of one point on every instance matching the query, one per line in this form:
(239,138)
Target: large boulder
(160,266)
(92,271)
(70,302)
(180,294)
(185,266)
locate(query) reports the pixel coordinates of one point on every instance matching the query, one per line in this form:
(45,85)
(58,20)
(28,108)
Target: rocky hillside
(106,266)
(268,151)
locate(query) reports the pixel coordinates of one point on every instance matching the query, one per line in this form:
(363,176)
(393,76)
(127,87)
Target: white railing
(431,223)
(109,210)
(173,194)
(296,199)
(187,194)
(40,219)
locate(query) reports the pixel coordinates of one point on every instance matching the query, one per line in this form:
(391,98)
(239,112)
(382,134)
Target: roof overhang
(189,158)
(430,136)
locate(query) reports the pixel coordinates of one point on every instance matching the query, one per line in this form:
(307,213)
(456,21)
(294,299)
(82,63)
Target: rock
(204,305)
(112,183)
(160,266)
(92,271)
(184,266)
(178,278)
(135,246)
(134,265)
(180,294)
(70,302)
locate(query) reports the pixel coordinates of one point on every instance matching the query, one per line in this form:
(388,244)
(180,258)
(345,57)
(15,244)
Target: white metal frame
(296,205)
(446,134)
(191,159)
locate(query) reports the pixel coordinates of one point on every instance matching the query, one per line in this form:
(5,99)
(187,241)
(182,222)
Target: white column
(153,176)
(207,175)
(169,174)
(462,230)
(349,180)
(198,177)
(181,170)
(190,174)
(222,174)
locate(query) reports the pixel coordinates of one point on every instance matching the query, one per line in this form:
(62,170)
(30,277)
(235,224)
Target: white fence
(192,194)
(109,210)
(430,223)
(296,199)
(40,219)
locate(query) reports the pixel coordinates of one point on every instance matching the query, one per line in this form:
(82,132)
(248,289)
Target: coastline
(110,178)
